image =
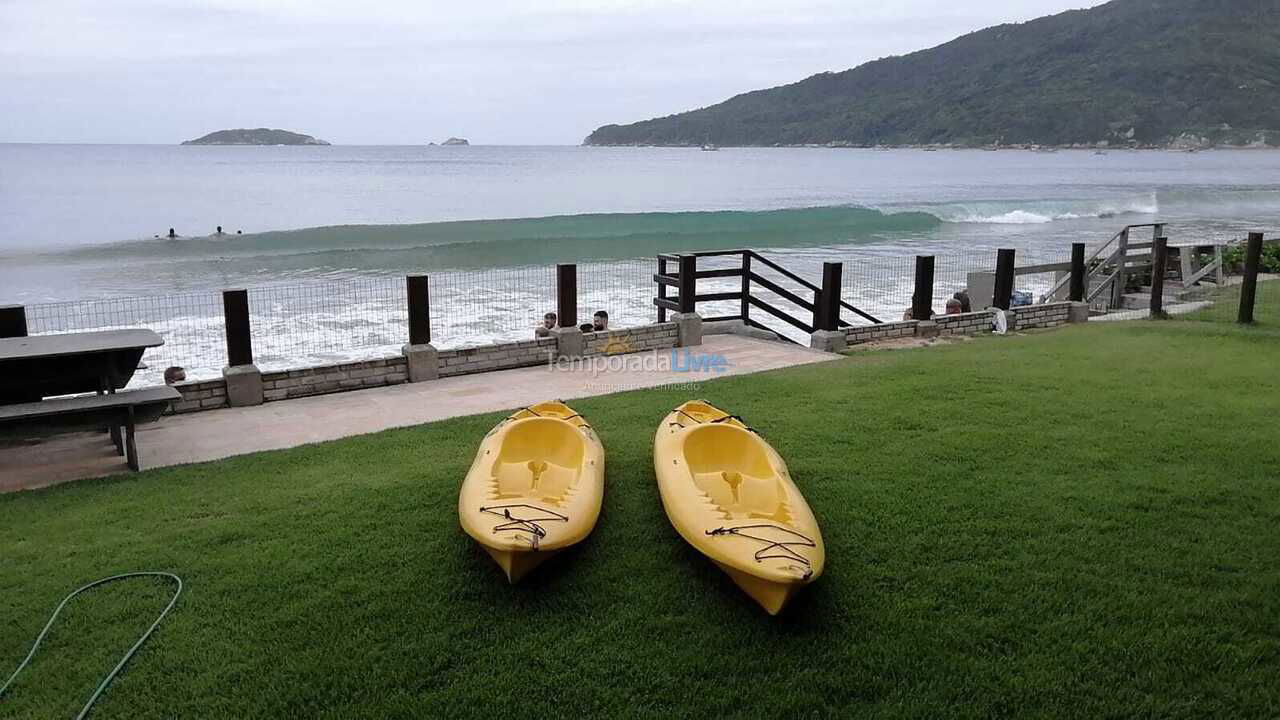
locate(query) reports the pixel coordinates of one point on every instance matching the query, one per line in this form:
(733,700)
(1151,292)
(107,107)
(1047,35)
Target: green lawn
(1081,523)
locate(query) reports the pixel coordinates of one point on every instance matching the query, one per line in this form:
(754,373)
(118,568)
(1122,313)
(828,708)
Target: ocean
(89,222)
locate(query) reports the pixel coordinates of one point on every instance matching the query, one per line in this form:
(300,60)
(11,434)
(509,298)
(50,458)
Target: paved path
(197,437)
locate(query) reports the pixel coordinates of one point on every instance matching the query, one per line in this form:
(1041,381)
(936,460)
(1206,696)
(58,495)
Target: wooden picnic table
(40,366)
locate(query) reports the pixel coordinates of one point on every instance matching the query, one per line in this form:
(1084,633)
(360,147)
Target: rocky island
(258,136)
(455,141)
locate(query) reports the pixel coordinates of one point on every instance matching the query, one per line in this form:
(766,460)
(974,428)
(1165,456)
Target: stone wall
(503,356)
(659,336)
(202,395)
(856,335)
(1028,317)
(1041,316)
(286,384)
(970,323)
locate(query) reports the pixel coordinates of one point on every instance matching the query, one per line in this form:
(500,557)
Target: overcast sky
(412,71)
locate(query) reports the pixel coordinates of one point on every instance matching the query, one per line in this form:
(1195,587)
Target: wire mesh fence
(321,323)
(191,325)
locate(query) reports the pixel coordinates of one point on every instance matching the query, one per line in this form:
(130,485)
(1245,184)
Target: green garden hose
(120,665)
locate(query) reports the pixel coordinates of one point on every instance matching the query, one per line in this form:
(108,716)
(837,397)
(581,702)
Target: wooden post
(1122,275)
(235,310)
(1249,288)
(922,298)
(1159,262)
(1004,279)
(419,309)
(662,290)
(688,283)
(13,321)
(746,287)
(567,295)
(829,297)
(1078,271)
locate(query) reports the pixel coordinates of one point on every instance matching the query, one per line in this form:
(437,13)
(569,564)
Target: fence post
(1004,279)
(827,334)
(688,322)
(1249,288)
(746,288)
(662,289)
(1076,294)
(1159,261)
(1122,275)
(569,340)
(13,321)
(688,283)
(567,295)
(244,380)
(422,362)
(922,297)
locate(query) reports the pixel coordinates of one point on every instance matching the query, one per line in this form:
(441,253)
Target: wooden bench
(129,408)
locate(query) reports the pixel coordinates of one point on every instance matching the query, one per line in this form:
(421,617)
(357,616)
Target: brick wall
(503,356)
(659,336)
(203,395)
(1041,316)
(285,384)
(970,323)
(884,331)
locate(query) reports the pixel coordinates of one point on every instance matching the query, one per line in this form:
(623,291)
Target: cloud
(408,72)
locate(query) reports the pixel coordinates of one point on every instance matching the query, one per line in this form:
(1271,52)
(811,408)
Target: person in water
(600,321)
(172,234)
(218,231)
(548,324)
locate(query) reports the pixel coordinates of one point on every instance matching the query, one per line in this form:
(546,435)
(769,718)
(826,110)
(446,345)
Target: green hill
(256,136)
(1149,72)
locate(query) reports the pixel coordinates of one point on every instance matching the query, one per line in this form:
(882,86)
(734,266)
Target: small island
(258,136)
(455,141)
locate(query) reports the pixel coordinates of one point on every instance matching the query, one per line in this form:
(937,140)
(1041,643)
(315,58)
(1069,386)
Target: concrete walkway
(202,436)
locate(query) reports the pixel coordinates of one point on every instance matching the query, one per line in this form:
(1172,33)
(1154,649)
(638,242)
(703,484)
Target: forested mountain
(1149,72)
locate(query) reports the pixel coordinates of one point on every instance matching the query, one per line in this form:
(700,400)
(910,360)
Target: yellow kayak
(535,487)
(728,493)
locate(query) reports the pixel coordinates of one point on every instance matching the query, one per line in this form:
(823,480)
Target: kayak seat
(540,458)
(731,468)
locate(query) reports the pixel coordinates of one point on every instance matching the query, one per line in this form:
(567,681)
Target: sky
(413,71)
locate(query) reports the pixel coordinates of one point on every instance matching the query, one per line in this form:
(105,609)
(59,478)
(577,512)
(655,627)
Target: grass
(1080,523)
(1226,305)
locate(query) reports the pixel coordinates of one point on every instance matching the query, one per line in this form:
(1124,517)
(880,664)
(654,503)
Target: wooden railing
(822,310)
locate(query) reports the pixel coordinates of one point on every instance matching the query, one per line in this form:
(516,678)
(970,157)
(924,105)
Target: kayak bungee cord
(770,544)
(120,665)
(517,524)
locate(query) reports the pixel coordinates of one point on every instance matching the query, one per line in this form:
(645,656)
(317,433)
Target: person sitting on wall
(600,321)
(963,297)
(954,307)
(548,324)
(907,315)
(174,374)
